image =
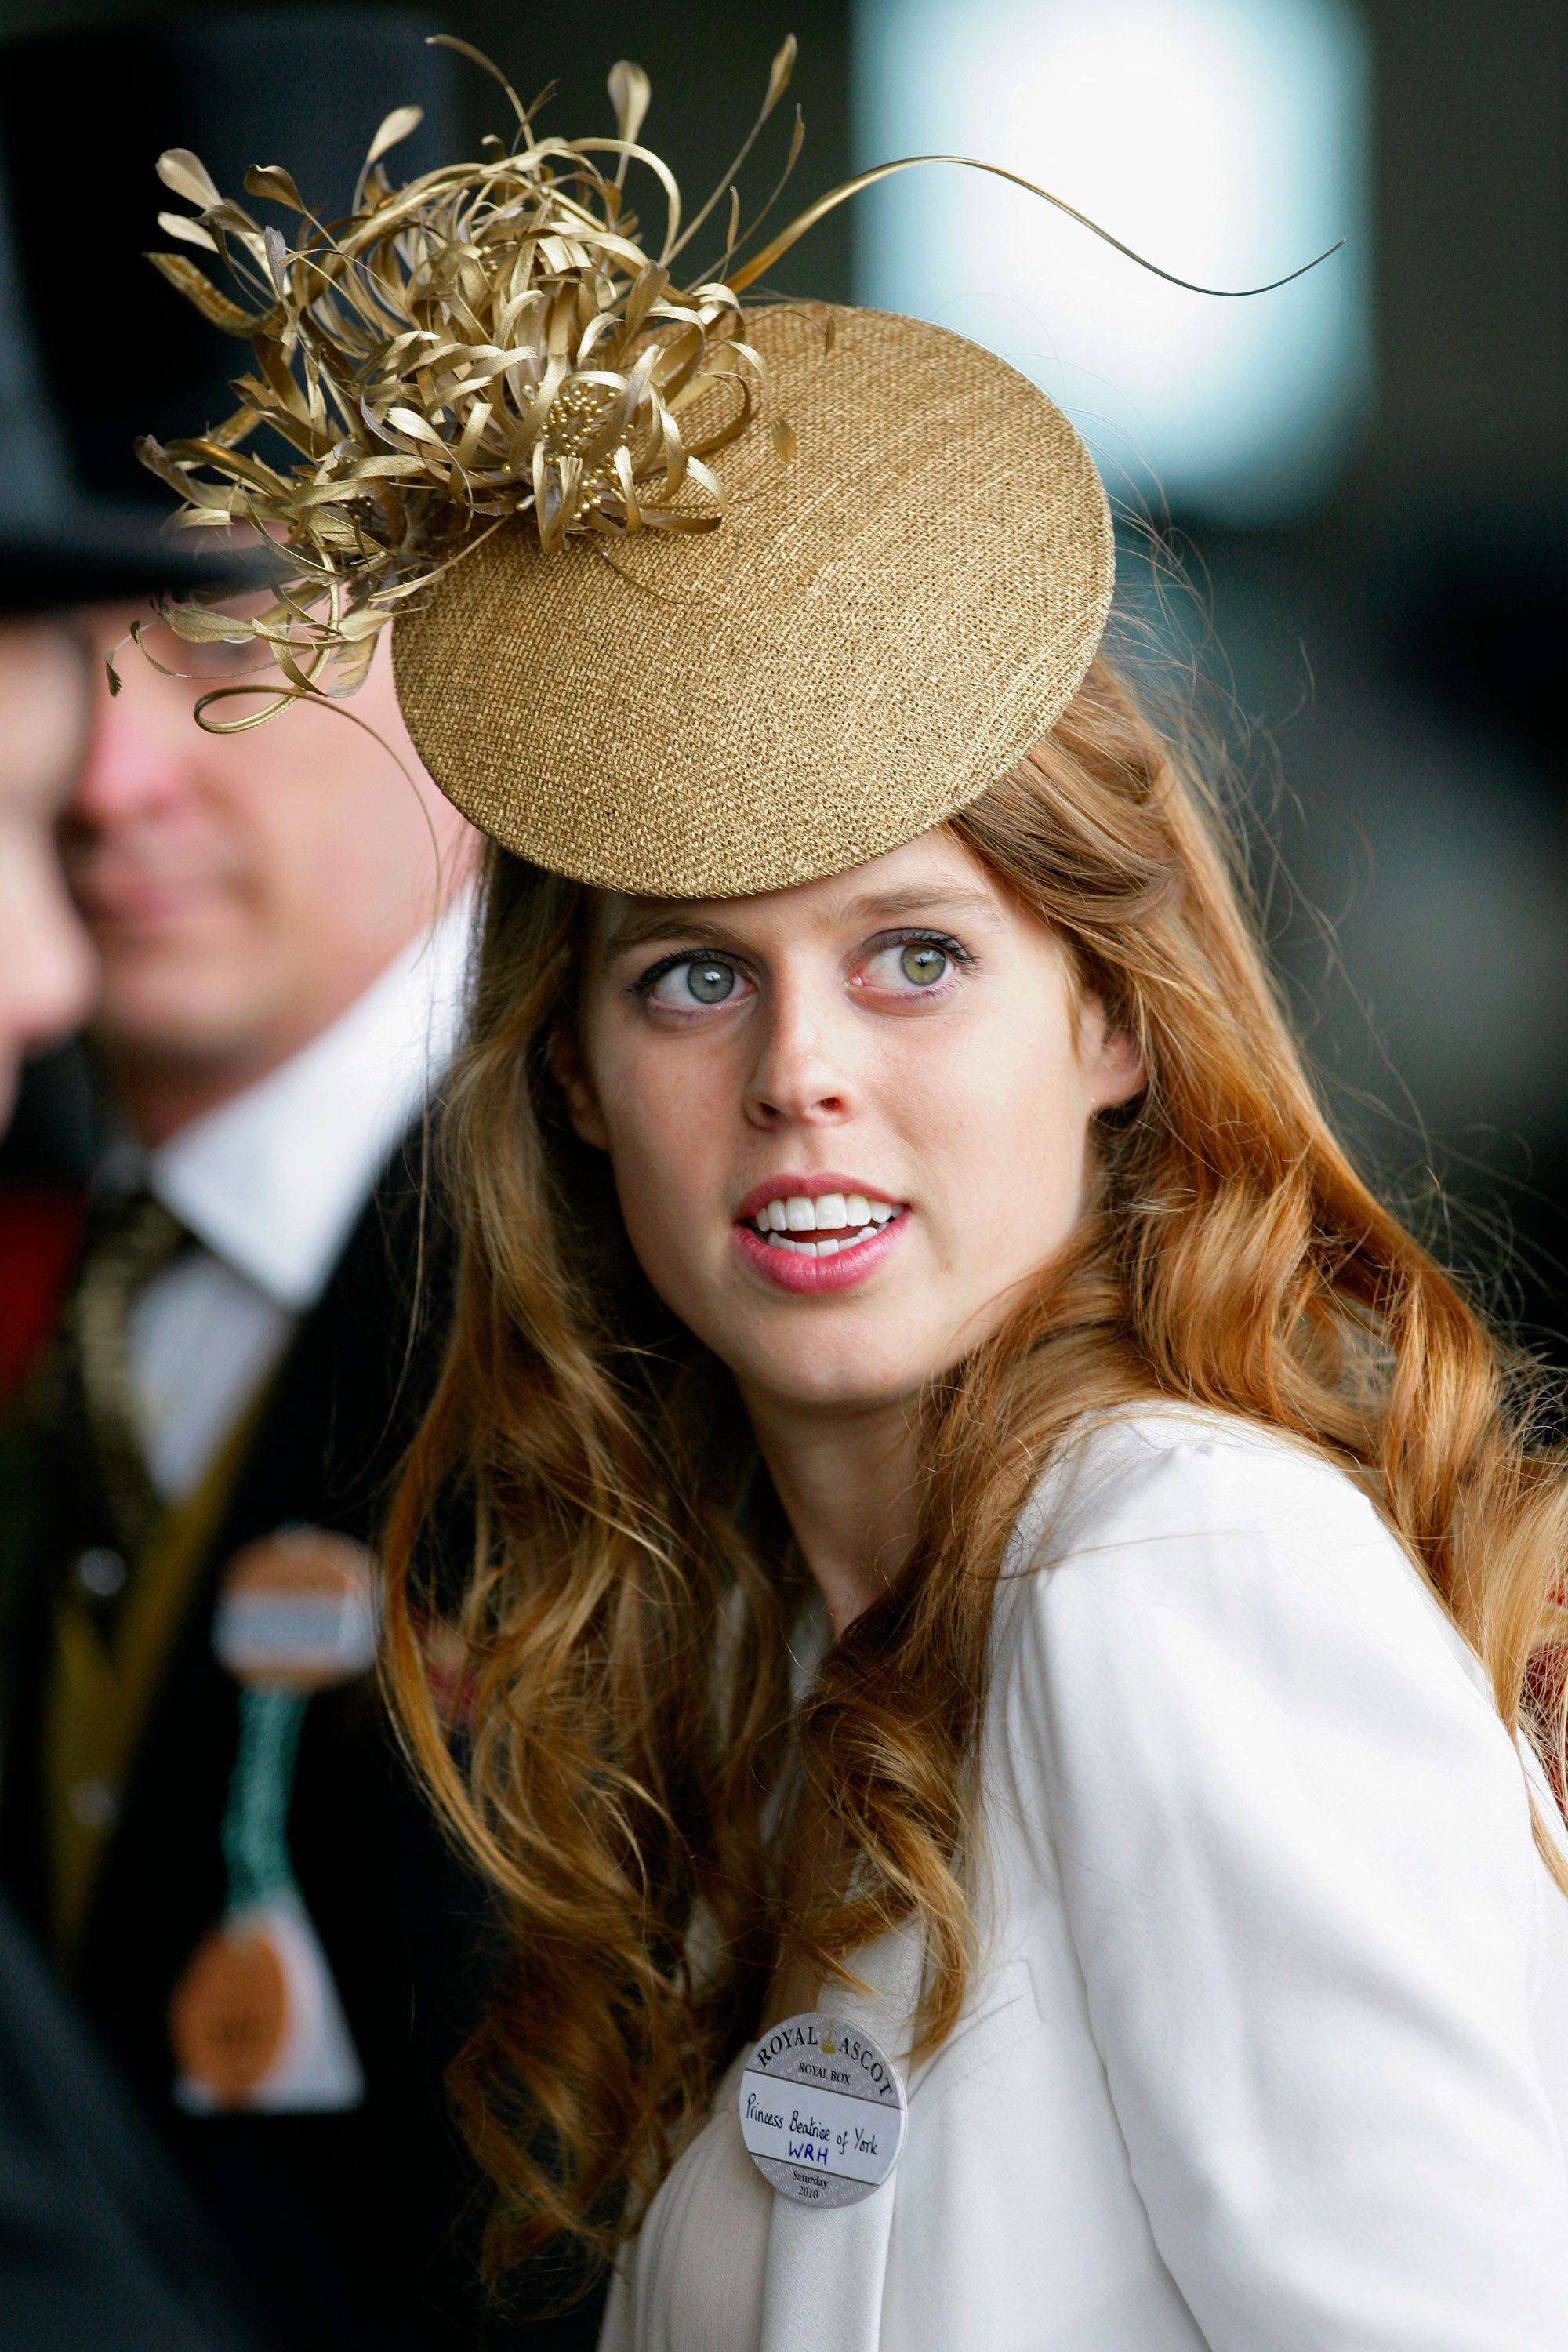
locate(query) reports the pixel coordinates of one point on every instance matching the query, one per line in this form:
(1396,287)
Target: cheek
(38,934)
(1002,1125)
(668,1120)
(299,878)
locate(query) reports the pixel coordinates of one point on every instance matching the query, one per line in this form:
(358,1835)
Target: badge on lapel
(297,1611)
(822,2111)
(256,2021)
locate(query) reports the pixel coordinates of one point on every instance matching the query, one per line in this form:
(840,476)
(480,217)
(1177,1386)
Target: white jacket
(1269,2047)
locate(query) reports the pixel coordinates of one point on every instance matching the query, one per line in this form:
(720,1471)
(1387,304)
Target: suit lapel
(825,2272)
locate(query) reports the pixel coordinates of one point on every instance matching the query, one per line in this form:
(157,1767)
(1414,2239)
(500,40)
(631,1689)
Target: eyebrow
(640,929)
(934,899)
(636,930)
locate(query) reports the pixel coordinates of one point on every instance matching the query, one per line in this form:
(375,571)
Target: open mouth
(826,1240)
(821,1227)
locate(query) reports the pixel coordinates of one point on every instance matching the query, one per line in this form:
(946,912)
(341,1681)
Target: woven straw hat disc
(878,630)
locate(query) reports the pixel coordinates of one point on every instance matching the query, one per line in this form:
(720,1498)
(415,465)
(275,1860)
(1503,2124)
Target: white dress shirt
(271,1184)
(1266,2047)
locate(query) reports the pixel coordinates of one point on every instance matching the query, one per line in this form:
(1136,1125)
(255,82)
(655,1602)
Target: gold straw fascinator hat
(690,600)
(857,650)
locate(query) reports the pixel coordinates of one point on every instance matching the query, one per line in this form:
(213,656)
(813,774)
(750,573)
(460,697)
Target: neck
(848,1484)
(158,1096)
(160,1090)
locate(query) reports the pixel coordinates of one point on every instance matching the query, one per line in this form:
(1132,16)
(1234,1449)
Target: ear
(1114,1064)
(570,1072)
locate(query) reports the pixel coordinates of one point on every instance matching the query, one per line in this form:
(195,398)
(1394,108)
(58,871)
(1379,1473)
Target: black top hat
(95,346)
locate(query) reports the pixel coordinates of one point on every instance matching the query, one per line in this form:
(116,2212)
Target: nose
(801,1077)
(138,749)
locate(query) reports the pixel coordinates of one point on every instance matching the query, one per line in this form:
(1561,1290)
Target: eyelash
(646,981)
(952,949)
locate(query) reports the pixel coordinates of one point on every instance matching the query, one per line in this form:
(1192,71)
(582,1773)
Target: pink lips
(801,1275)
(806,1276)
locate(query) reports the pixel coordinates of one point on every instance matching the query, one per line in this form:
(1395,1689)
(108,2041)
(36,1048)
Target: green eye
(709,983)
(688,980)
(923,963)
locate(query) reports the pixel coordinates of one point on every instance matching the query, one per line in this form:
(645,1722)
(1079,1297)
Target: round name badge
(298,1611)
(256,2023)
(822,2111)
(229,2016)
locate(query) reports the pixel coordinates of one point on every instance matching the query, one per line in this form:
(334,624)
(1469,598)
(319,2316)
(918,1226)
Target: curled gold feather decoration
(492,339)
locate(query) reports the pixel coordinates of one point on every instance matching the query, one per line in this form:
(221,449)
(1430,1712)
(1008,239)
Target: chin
(847,1372)
(164,1005)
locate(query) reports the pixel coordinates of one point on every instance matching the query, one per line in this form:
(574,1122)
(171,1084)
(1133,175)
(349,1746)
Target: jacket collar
(273,1181)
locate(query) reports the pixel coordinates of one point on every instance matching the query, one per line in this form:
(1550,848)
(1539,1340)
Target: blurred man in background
(98,2248)
(204,1809)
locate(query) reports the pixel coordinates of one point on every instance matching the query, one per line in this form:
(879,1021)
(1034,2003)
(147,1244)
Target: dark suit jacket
(357,2230)
(101,2250)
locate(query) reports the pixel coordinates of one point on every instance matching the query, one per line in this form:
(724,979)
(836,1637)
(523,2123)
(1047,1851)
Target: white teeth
(852,1217)
(828,1247)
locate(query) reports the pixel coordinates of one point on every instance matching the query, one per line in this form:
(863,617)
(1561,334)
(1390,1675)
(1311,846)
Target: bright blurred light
(1226,139)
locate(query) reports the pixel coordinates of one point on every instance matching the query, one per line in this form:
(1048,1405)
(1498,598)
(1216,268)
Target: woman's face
(846,1120)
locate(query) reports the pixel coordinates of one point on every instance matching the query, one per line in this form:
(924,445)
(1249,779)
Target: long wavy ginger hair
(623,1616)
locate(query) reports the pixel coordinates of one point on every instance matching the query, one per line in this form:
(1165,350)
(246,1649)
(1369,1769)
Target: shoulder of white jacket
(1228,1514)
(1227,1502)
(1138,1473)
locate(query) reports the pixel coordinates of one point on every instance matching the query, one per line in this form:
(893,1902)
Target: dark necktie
(87,1403)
